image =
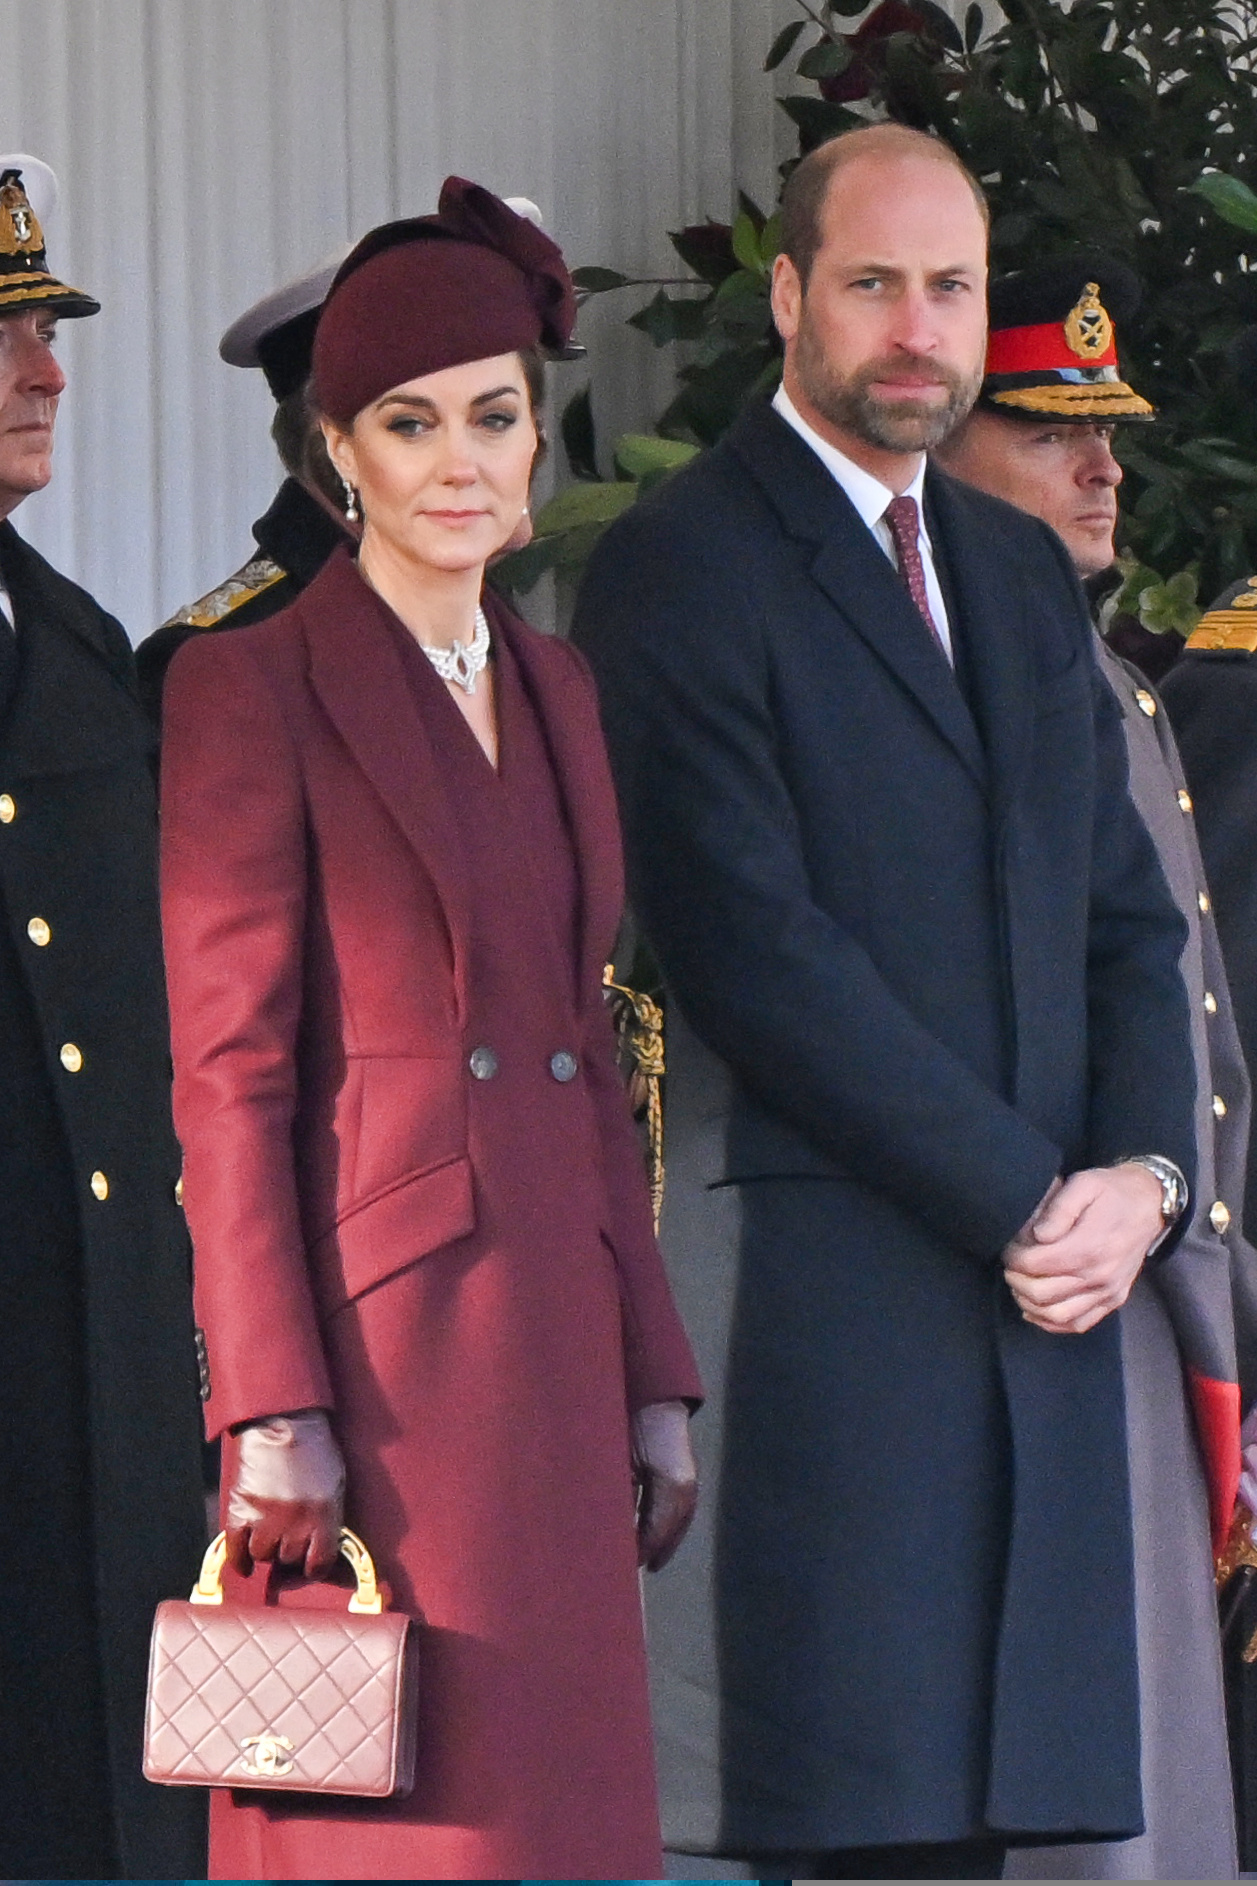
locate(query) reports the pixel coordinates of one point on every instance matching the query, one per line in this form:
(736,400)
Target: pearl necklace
(461,662)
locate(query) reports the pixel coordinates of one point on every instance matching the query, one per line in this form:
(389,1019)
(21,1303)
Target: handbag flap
(250,1696)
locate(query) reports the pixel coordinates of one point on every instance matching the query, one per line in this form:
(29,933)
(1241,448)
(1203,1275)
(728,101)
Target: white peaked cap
(39,181)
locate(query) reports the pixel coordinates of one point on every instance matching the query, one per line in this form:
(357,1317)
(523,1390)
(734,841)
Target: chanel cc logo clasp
(267,1755)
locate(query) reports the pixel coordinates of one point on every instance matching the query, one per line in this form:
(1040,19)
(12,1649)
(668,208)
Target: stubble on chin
(889,425)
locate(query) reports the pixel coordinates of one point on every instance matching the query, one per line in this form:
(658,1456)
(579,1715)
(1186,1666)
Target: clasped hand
(1077,1258)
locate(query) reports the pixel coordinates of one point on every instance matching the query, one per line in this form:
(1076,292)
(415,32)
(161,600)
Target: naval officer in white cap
(100,1495)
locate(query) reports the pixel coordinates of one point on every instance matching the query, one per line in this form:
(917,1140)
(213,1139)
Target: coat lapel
(855,575)
(358,676)
(58,718)
(990,609)
(584,785)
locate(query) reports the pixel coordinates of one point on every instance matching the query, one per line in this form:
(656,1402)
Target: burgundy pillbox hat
(469,283)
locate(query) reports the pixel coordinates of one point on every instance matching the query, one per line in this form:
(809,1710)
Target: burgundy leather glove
(287,1499)
(667,1480)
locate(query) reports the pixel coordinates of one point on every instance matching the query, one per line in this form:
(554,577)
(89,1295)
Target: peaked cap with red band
(470,283)
(1052,350)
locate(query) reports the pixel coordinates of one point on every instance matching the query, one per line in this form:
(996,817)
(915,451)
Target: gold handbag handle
(208,1588)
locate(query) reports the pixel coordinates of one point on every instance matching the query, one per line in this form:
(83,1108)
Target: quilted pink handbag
(251,1696)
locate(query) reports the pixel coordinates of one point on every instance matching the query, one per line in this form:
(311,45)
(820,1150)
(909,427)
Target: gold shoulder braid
(239,589)
(1233,1568)
(639,1028)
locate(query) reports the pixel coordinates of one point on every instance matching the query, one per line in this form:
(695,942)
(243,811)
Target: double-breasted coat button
(39,932)
(8,808)
(1203,904)
(100,1186)
(483,1063)
(563,1065)
(179,1191)
(1184,800)
(1147,702)
(1219,1107)
(1211,1002)
(1219,1216)
(71,1058)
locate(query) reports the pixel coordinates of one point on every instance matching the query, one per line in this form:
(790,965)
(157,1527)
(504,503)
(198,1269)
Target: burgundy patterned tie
(902,516)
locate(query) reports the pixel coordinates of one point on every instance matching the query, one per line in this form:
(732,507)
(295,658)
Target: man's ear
(787,298)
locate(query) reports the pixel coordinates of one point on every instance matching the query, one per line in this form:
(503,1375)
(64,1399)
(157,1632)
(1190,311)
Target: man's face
(886,344)
(1065,474)
(31,382)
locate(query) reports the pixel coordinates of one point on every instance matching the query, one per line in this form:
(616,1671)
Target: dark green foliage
(1094,126)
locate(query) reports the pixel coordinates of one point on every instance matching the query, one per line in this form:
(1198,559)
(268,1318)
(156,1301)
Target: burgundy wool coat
(416,1199)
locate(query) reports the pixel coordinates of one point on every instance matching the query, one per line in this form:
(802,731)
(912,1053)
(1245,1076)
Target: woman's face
(442,464)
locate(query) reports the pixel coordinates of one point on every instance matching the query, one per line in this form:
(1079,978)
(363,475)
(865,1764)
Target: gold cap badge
(1088,330)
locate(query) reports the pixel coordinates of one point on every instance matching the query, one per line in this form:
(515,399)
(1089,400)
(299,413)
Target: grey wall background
(209,149)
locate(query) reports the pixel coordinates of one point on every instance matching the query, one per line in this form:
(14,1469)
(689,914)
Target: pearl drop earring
(351,502)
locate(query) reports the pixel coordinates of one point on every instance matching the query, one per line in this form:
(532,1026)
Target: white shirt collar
(868,494)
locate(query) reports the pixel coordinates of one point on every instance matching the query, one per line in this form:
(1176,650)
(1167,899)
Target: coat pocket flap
(392,1229)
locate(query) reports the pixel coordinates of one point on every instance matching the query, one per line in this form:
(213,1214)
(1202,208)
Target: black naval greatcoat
(100,1485)
(295,537)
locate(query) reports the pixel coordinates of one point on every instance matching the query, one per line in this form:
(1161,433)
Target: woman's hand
(667,1480)
(287,1499)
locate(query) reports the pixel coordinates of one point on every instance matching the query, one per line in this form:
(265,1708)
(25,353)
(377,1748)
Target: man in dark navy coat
(923,962)
(100,1485)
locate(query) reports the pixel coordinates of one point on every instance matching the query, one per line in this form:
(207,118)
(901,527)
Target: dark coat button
(563,1065)
(483,1063)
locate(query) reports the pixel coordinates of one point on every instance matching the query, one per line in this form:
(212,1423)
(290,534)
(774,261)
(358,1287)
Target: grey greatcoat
(1190,1322)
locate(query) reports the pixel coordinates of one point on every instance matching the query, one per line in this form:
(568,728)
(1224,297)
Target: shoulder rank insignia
(1230,627)
(239,589)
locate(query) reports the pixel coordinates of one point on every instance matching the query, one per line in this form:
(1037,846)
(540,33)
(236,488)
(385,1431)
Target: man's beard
(891,425)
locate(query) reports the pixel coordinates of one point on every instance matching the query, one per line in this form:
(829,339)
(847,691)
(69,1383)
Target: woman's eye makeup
(499,418)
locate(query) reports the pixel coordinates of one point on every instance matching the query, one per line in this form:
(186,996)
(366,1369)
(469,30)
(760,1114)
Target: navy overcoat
(923,959)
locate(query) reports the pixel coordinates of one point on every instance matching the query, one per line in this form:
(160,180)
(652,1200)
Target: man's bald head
(807,190)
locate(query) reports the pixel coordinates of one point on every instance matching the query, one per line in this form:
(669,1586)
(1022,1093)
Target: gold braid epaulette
(1238,1552)
(239,589)
(639,1025)
(1230,628)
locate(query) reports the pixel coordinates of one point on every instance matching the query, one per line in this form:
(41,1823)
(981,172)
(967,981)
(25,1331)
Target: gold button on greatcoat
(1211,1002)
(1146,702)
(1219,1107)
(8,810)
(1202,900)
(71,1058)
(179,1191)
(39,932)
(100,1186)
(1184,800)
(1219,1216)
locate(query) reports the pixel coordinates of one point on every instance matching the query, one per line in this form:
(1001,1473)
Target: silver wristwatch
(1174,1193)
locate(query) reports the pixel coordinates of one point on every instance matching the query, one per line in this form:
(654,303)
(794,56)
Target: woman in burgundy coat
(425,1265)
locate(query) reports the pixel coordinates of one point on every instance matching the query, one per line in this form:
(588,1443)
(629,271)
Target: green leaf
(640,454)
(669,318)
(975,23)
(1230,199)
(576,429)
(826,60)
(1172,606)
(596,281)
(746,244)
(782,44)
(817,119)
(770,240)
(584,504)
(523,569)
